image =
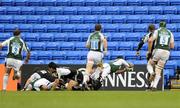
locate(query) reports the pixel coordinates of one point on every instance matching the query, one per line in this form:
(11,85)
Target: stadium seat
(37,62)
(46,37)
(126,10)
(33,19)
(48,2)
(60,37)
(108,36)
(59,55)
(75,37)
(125,46)
(174,2)
(52,46)
(91,2)
(104,19)
(7,2)
(6,19)
(141,10)
(140,28)
(85,36)
(133,19)
(175,55)
(62,19)
(84,11)
(113,46)
(133,2)
(77,3)
(83,55)
(112,10)
(2,10)
(147,2)
(119,19)
(70,11)
(4,36)
(131,55)
(2,28)
(80,46)
(68,28)
(40,28)
(67,46)
(125,27)
(33,55)
(135,46)
(172,27)
(98,10)
(35,3)
(90,19)
(176,37)
(178,27)
(72,62)
(54,28)
(19,19)
(62,2)
(115,54)
(161,2)
(162,18)
(148,19)
(47,19)
(118,36)
(76,19)
(73,55)
(21,3)
(10,27)
(110,28)
(120,2)
(27,10)
(132,37)
(56,10)
(170,10)
(26,27)
(105,3)
(155,10)
(40,46)
(175,19)
(143,54)
(107,57)
(32,37)
(171,64)
(138,62)
(44,55)
(41,10)
(13,10)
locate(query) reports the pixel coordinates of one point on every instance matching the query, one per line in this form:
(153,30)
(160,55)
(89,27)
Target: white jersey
(62,71)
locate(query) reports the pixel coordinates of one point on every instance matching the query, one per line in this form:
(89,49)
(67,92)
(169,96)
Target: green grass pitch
(90,99)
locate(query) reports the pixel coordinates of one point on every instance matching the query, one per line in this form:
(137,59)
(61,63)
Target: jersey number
(95,44)
(164,40)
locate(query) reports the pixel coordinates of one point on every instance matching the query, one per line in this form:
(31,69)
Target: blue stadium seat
(2,10)
(172,27)
(44,55)
(27,10)
(55,10)
(21,3)
(5,36)
(40,46)
(33,19)
(6,19)
(84,11)
(80,46)
(118,36)
(76,19)
(7,2)
(119,19)
(35,3)
(13,10)
(32,37)
(26,27)
(62,2)
(54,28)
(60,36)
(162,2)
(73,55)
(107,57)
(40,28)
(155,10)
(70,11)
(47,37)
(108,36)
(125,27)
(19,19)
(175,19)
(91,2)
(141,10)
(37,62)
(59,55)
(133,19)
(174,2)
(105,3)
(115,54)
(147,2)
(72,62)
(126,10)
(90,19)
(125,46)
(112,10)
(62,19)
(83,55)
(2,28)
(177,37)
(33,55)
(104,19)
(77,3)
(138,62)
(110,28)
(171,64)
(48,2)
(68,28)
(170,10)
(10,27)
(52,46)
(98,10)
(143,54)
(140,28)
(131,55)
(175,55)
(67,46)
(133,2)
(162,17)
(41,10)
(85,36)
(113,46)
(132,37)
(178,27)
(119,2)
(47,19)
(148,19)
(75,37)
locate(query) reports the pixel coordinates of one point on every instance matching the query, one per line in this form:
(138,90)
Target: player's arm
(5,43)
(28,54)
(105,43)
(88,42)
(141,43)
(172,41)
(150,41)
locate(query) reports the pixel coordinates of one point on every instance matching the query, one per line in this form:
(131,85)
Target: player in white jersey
(14,57)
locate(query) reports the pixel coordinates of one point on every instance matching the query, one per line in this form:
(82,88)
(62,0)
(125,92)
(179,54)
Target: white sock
(86,78)
(156,80)
(5,81)
(152,83)
(150,68)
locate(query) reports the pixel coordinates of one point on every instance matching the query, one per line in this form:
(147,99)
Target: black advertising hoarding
(136,80)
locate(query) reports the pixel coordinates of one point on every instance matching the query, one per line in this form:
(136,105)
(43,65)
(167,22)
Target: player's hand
(26,61)
(148,54)
(137,53)
(105,52)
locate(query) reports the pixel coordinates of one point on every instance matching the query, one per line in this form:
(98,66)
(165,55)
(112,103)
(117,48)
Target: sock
(152,83)
(86,78)
(5,81)
(150,68)
(156,80)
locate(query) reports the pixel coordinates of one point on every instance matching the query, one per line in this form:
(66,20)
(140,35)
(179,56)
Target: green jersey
(118,64)
(15,47)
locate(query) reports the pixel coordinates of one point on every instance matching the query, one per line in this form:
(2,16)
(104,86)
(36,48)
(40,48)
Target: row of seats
(111,10)
(88,2)
(79,28)
(83,19)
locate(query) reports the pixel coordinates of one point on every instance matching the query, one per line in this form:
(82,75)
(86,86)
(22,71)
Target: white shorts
(40,83)
(62,71)
(13,63)
(106,70)
(34,77)
(94,57)
(160,54)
